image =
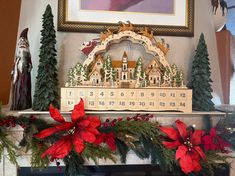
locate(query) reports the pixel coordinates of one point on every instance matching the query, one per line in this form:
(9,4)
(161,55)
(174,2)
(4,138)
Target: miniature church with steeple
(124,68)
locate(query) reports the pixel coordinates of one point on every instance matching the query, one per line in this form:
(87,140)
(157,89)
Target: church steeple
(124,66)
(124,57)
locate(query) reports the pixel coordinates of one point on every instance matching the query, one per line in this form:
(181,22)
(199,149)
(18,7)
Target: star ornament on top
(81,129)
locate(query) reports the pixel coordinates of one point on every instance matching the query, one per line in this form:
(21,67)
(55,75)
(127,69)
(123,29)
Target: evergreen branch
(95,152)
(37,150)
(74,165)
(7,144)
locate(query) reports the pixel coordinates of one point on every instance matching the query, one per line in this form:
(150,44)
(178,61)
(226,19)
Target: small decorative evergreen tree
(201,81)
(46,88)
(139,71)
(109,72)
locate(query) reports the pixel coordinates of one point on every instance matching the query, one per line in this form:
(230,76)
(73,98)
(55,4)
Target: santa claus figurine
(21,76)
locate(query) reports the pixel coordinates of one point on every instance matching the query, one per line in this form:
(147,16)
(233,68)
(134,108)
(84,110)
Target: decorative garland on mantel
(178,148)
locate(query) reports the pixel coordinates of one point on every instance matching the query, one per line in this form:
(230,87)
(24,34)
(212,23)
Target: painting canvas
(164,17)
(137,6)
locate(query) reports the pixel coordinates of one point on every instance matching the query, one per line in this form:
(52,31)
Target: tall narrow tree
(201,81)
(46,88)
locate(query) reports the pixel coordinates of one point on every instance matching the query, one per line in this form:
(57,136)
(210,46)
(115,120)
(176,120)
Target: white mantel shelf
(194,113)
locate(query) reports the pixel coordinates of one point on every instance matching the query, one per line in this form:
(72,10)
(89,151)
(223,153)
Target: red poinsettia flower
(187,144)
(213,142)
(108,138)
(80,129)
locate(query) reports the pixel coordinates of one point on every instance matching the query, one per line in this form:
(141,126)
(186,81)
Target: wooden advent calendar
(107,84)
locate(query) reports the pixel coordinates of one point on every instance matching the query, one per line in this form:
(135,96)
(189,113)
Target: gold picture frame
(186,29)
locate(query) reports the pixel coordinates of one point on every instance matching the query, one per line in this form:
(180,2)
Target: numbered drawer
(91,94)
(102,104)
(111,104)
(101,94)
(142,104)
(173,105)
(172,95)
(70,103)
(162,105)
(152,105)
(182,105)
(132,94)
(122,94)
(152,94)
(182,95)
(132,104)
(162,95)
(91,104)
(70,93)
(81,94)
(142,95)
(122,104)
(111,94)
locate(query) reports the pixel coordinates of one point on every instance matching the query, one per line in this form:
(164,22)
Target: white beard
(19,63)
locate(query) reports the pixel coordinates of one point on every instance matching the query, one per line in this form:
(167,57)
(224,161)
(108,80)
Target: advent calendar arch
(156,48)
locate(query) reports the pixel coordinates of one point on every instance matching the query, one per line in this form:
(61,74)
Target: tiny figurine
(21,76)
(87,47)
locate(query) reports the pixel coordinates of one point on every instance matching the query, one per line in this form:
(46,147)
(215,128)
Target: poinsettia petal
(78,111)
(186,164)
(213,132)
(78,143)
(194,155)
(171,145)
(83,123)
(87,136)
(94,122)
(208,144)
(55,114)
(99,139)
(196,138)
(60,149)
(45,133)
(182,128)
(181,151)
(199,151)
(170,132)
(111,143)
(222,144)
(50,131)
(93,130)
(196,166)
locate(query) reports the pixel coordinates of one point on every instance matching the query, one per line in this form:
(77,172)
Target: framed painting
(164,17)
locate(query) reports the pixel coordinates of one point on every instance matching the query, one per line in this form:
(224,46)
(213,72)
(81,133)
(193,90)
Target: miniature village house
(154,73)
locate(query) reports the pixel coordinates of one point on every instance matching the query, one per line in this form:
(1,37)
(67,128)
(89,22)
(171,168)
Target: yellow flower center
(72,130)
(188,144)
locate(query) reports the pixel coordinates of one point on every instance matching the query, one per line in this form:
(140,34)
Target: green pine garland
(137,134)
(5,142)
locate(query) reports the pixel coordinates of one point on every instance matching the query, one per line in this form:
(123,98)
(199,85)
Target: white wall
(68,44)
